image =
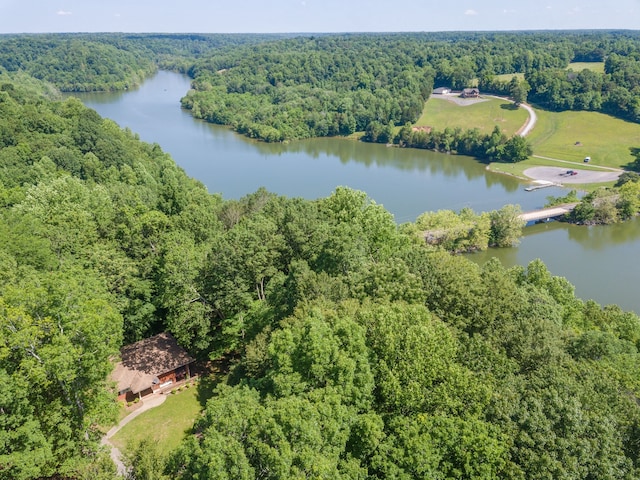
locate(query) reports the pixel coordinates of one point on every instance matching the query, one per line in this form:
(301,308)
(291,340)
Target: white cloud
(63,12)
(470,12)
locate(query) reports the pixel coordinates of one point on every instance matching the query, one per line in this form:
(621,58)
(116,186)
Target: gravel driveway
(559,175)
(457,99)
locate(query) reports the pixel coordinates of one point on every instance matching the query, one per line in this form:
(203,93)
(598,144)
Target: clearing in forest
(506,77)
(447,111)
(597,67)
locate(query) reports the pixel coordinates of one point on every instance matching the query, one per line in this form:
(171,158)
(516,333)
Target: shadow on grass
(211,374)
(509,106)
(206,386)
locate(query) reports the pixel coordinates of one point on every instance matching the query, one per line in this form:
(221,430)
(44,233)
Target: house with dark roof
(150,365)
(470,93)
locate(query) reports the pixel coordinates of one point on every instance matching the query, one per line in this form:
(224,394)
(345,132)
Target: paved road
(559,175)
(531,122)
(551,174)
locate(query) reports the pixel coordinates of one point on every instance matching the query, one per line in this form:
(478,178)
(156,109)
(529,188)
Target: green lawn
(440,113)
(575,135)
(167,424)
(579,66)
(506,77)
(569,135)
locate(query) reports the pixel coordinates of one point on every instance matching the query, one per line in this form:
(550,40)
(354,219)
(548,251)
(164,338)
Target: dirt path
(151,401)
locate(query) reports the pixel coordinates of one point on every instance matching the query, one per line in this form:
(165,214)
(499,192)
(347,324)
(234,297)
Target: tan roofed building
(150,365)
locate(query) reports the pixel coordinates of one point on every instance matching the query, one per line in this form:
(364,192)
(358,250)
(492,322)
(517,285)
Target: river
(597,260)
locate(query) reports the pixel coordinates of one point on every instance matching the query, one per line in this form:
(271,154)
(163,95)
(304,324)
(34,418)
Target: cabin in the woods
(470,93)
(150,365)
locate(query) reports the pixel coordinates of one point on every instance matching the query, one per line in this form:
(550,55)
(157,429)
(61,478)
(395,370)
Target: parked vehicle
(587,159)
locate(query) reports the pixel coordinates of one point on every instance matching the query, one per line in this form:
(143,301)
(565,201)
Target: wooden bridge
(548,213)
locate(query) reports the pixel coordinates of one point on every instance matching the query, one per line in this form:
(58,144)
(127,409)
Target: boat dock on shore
(541,184)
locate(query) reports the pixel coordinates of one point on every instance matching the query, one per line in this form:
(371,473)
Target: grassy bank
(576,135)
(441,113)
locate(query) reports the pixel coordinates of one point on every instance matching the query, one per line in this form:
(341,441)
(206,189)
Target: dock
(541,184)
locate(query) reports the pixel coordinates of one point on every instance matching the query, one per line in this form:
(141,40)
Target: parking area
(560,175)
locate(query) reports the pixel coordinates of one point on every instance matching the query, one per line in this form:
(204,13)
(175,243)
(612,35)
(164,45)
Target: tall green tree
(506,226)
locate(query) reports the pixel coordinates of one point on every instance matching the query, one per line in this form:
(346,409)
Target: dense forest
(108,62)
(356,349)
(340,84)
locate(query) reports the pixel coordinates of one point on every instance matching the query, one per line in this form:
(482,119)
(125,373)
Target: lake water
(598,260)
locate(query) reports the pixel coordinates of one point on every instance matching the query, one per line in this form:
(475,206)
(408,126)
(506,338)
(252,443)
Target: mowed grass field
(506,77)
(576,135)
(440,113)
(593,66)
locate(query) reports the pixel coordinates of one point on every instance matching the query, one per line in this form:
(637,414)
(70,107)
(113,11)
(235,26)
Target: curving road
(531,122)
(151,401)
(552,173)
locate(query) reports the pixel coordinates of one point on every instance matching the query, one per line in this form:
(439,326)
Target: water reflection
(407,160)
(598,260)
(601,237)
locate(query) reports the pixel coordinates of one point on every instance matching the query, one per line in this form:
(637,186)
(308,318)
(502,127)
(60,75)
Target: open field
(597,67)
(506,77)
(576,135)
(440,113)
(167,424)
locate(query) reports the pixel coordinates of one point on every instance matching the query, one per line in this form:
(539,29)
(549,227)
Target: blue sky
(216,16)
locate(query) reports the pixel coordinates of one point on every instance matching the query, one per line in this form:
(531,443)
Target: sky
(298,16)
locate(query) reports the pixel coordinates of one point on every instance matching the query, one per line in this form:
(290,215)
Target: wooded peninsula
(345,345)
